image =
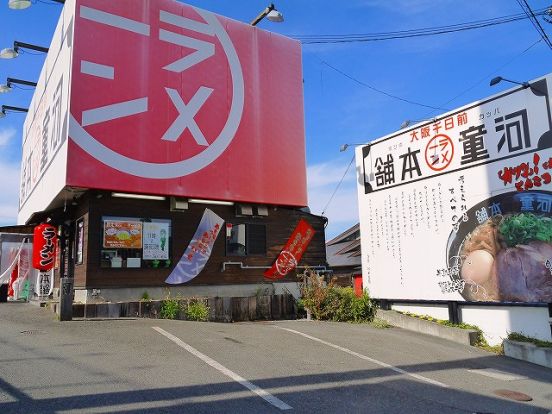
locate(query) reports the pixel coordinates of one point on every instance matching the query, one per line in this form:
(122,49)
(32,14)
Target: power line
(430,31)
(533,19)
(338,185)
(379,90)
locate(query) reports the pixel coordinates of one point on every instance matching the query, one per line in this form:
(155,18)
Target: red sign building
(166,96)
(175,107)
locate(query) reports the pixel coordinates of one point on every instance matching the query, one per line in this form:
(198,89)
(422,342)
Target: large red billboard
(174,100)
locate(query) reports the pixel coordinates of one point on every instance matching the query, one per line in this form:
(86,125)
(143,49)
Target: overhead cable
(531,16)
(379,90)
(403,34)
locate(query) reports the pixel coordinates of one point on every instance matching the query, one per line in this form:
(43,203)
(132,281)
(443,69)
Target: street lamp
(10,53)
(408,122)
(23,4)
(9,81)
(345,146)
(270,13)
(498,79)
(11,109)
(19,4)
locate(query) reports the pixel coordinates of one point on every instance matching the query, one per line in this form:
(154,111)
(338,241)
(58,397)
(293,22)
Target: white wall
(497,322)
(44,163)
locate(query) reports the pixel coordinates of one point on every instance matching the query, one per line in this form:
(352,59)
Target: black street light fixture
(10,53)
(270,13)
(23,4)
(345,146)
(11,109)
(531,86)
(407,122)
(10,81)
(499,79)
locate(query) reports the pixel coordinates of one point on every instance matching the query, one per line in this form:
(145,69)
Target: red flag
(292,252)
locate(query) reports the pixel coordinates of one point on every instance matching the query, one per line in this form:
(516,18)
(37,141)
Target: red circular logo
(439,152)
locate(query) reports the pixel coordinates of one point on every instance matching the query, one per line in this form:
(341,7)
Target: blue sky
(443,71)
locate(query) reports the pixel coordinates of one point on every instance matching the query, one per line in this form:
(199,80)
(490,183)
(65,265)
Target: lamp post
(535,89)
(23,4)
(344,147)
(12,109)
(499,79)
(10,81)
(10,53)
(270,13)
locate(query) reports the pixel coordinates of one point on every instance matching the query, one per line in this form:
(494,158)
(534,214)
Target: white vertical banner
(198,251)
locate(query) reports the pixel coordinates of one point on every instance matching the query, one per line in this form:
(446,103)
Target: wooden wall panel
(280,223)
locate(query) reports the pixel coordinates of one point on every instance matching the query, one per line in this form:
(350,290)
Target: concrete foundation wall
(528,352)
(495,321)
(158,293)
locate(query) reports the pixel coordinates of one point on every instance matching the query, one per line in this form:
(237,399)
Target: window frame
(247,250)
(107,253)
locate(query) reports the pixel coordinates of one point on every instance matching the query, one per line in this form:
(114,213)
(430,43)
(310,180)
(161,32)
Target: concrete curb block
(463,336)
(528,352)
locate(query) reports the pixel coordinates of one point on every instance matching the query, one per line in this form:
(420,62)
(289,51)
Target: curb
(529,352)
(462,336)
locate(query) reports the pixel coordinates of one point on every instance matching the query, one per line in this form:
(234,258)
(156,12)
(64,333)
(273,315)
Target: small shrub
(145,296)
(169,309)
(314,293)
(301,311)
(197,311)
(329,302)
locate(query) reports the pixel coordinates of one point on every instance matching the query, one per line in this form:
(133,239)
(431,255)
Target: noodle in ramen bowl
(506,257)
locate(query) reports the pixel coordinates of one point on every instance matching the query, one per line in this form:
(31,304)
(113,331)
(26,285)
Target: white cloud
(323,179)
(6,134)
(9,192)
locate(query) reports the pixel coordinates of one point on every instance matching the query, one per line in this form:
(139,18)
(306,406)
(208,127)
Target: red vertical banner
(292,252)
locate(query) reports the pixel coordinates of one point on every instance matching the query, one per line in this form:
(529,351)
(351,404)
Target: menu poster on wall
(155,241)
(122,234)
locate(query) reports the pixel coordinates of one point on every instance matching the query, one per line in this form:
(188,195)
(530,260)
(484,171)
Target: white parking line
(497,374)
(271,399)
(375,361)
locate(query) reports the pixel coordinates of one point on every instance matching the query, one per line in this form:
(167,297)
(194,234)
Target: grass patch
(514,336)
(197,310)
(380,324)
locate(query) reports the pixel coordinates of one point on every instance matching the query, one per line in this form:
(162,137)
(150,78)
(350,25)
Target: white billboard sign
(44,161)
(459,208)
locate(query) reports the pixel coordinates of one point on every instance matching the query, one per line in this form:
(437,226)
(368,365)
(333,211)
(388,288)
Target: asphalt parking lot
(162,366)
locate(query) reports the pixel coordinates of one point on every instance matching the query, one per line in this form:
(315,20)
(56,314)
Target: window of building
(135,242)
(245,239)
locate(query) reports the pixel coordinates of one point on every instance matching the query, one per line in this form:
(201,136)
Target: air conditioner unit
(244,210)
(262,210)
(178,204)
